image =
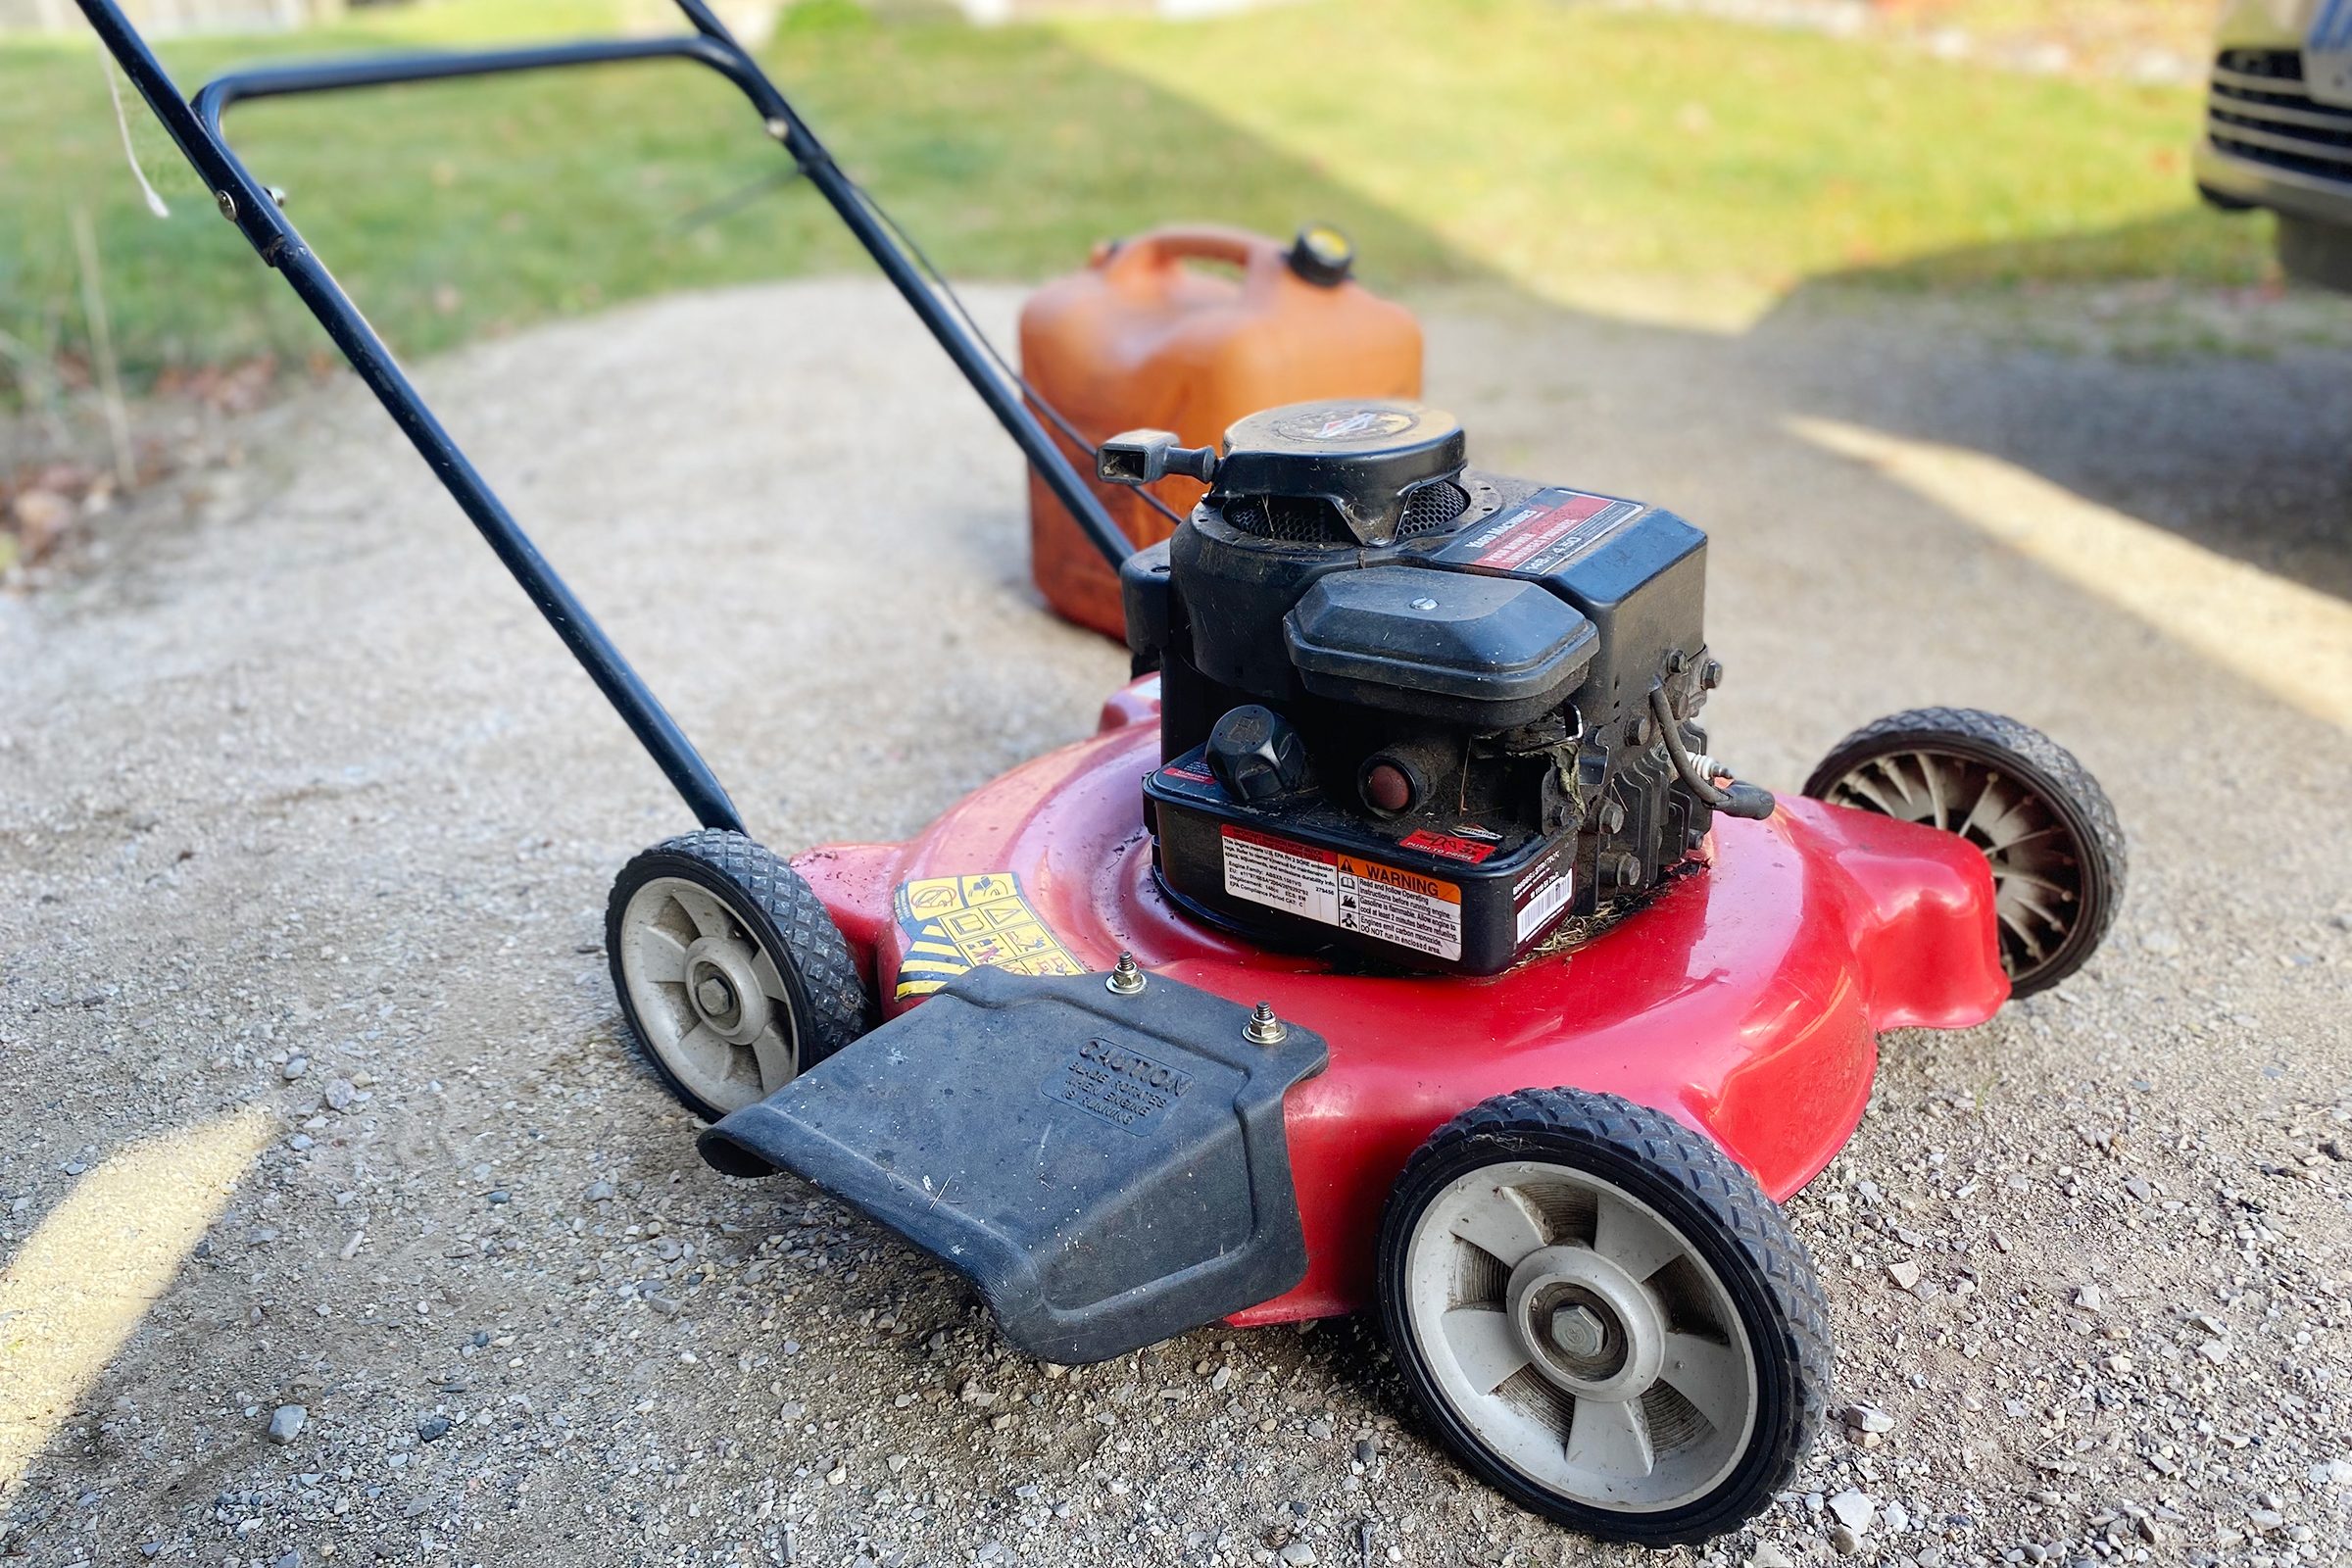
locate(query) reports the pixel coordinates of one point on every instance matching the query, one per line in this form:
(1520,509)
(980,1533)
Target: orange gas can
(1146,338)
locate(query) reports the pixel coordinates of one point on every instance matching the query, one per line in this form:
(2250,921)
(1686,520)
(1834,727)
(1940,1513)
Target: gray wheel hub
(1586,1324)
(722,980)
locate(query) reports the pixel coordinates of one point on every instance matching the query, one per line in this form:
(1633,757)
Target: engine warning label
(1543,533)
(1409,909)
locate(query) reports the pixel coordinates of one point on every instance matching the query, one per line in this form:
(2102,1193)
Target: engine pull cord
(1750,801)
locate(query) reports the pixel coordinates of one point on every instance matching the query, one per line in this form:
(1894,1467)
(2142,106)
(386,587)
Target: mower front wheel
(732,976)
(1603,1316)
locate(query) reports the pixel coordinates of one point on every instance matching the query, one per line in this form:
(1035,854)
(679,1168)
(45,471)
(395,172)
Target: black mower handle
(195,126)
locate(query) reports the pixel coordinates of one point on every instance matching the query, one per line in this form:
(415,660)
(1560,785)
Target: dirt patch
(303,815)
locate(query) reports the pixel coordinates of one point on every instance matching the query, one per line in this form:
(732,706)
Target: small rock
(2214,1351)
(1298,1554)
(1318,1427)
(291,1560)
(601,1192)
(2265,1520)
(2334,1473)
(1768,1555)
(1844,1542)
(295,1067)
(285,1424)
(1904,1274)
(340,1094)
(433,1428)
(2088,1298)
(1854,1510)
(1866,1418)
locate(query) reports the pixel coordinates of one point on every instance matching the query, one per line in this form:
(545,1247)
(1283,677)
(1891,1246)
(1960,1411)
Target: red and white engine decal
(1447,845)
(1552,528)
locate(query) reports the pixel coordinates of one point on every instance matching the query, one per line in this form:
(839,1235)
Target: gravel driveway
(305,826)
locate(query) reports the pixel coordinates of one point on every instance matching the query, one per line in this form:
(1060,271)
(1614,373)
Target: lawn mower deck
(1745,1002)
(1393,944)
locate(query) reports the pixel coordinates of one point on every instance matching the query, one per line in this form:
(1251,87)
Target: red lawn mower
(1393,944)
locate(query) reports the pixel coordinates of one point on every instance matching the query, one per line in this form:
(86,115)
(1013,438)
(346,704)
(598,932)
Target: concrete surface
(307,1054)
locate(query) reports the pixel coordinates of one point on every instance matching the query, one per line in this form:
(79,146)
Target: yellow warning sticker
(959,923)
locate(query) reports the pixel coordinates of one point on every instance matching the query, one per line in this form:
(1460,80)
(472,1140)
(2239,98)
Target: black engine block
(1411,709)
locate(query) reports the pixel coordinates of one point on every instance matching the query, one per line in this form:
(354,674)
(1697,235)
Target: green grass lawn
(1548,146)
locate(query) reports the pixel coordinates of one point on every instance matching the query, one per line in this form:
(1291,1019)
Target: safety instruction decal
(1409,909)
(959,923)
(1543,534)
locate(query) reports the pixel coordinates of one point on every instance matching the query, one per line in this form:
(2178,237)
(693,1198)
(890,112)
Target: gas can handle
(1262,261)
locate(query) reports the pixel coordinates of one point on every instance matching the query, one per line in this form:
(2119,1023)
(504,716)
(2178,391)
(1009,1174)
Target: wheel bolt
(1579,1332)
(714,993)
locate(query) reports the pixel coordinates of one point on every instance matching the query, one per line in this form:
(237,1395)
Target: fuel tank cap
(1364,456)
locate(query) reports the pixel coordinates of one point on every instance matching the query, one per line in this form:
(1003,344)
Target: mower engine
(1411,709)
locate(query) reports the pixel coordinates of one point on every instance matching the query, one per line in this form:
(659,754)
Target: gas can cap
(1322,254)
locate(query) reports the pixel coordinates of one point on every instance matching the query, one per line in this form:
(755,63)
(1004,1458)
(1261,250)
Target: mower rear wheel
(732,976)
(1603,1316)
(2045,826)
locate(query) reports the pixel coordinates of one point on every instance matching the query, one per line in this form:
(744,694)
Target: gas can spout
(1144,457)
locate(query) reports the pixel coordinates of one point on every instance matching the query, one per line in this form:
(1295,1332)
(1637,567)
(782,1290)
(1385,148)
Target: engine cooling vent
(1290,519)
(2261,111)
(1433,509)
(1313,520)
